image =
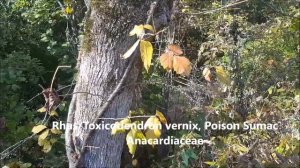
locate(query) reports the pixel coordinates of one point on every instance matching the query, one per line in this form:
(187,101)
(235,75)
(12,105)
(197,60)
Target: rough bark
(100,70)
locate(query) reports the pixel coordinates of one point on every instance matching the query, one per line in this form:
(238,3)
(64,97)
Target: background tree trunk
(107,26)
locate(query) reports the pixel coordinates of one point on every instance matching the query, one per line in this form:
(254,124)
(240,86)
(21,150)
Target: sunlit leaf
(146,53)
(166,60)
(44,134)
(38,128)
(210,163)
(222,75)
(175,49)
(120,127)
(130,141)
(153,129)
(137,30)
(131,50)
(182,65)
(139,135)
(42,110)
(68,10)
(207,74)
(161,117)
(41,142)
(149,27)
(53,113)
(47,146)
(55,131)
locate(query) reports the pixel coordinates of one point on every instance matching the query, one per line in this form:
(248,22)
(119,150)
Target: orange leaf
(175,49)
(166,60)
(182,65)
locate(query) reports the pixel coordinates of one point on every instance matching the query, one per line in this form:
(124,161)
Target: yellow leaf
(41,142)
(222,75)
(139,135)
(146,53)
(120,126)
(130,141)
(161,117)
(44,134)
(38,128)
(153,127)
(42,110)
(182,65)
(149,27)
(68,10)
(55,131)
(137,30)
(53,113)
(131,50)
(47,146)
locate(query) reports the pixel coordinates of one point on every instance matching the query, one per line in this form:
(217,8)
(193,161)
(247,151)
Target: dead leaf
(51,98)
(207,74)
(182,65)
(175,49)
(166,60)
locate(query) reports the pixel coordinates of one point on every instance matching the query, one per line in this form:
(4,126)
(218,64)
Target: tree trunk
(100,71)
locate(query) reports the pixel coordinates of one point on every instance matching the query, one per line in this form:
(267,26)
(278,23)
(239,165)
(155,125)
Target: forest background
(245,67)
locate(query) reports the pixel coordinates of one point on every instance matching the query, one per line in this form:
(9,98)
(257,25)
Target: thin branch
(63,66)
(215,10)
(144,116)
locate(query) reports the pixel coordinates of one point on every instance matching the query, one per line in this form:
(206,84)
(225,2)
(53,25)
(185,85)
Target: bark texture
(100,70)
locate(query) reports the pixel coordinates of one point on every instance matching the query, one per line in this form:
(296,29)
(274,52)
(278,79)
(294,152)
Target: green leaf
(185,158)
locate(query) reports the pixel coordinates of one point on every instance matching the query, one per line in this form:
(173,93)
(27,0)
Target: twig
(145,116)
(63,66)
(215,10)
